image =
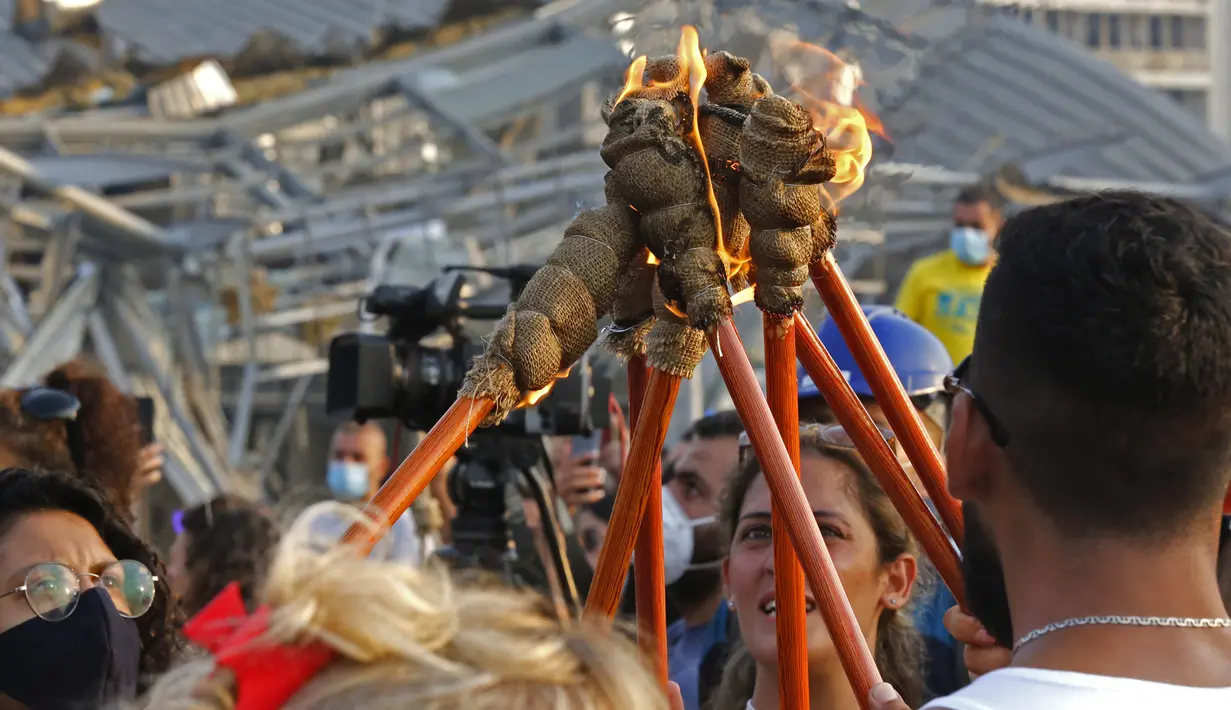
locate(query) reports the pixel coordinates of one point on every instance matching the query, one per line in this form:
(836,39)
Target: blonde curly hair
(413,637)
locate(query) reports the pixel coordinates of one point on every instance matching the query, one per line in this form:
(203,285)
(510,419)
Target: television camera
(409,375)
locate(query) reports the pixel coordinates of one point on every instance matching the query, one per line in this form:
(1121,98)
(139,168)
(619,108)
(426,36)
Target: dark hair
(1102,346)
(229,540)
(899,647)
(23,491)
(716,425)
(110,431)
(975,194)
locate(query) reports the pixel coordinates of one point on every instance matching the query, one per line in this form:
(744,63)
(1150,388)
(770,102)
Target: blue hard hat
(920,360)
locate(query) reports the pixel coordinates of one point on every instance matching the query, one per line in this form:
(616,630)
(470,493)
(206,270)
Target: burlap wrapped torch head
(783,161)
(553,322)
(656,169)
(731,88)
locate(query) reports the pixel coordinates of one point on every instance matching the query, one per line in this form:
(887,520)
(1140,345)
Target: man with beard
(694,547)
(1091,441)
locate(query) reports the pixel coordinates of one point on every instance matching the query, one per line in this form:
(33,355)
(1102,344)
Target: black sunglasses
(954,387)
(50,404)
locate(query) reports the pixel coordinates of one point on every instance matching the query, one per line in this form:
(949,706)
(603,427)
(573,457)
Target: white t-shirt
(1032,689)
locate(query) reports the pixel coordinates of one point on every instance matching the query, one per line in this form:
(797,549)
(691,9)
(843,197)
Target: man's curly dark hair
(229,540)
(110,432)
(23,491)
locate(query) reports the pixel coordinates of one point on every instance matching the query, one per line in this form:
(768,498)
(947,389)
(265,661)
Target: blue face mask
(347,480)
(972,246)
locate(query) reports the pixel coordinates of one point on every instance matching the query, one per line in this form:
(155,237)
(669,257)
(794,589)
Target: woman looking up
(873,552)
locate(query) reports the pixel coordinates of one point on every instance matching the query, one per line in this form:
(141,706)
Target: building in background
(1178,47)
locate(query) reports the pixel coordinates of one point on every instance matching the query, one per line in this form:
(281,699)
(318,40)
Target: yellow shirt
(942,294)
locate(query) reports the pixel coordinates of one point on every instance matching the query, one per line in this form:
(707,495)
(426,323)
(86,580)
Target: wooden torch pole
(788,494)
(648,573)
(890,395)
(791,618)
(880,458)
(418,469)
(636,482)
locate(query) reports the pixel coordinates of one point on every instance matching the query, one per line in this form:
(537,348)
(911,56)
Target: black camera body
(397,376)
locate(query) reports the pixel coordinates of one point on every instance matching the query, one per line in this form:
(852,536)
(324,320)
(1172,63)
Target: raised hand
(983,654)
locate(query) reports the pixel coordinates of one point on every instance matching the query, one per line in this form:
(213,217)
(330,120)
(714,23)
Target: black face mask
(84,662)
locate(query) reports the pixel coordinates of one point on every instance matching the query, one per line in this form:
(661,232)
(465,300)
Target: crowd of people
(1076,376)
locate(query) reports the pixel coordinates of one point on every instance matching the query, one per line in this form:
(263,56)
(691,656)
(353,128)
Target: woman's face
(748,573)
(177,566)
(46,536)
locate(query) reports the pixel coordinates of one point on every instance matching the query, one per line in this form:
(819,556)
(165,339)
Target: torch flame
(532,398)
(826,86)
(692,62)
(743,296)
(634,78)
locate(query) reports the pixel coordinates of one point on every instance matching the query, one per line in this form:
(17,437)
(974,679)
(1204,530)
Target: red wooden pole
(881,459)
(791,620)
(419,468)
(788,494)
(650,578)
(890,395)
(635,484)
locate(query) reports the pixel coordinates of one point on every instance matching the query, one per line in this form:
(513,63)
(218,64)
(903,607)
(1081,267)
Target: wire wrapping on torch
(553,322)
(783,161)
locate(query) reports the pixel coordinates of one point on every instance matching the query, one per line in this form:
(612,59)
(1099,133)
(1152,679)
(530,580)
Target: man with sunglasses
(1091,445)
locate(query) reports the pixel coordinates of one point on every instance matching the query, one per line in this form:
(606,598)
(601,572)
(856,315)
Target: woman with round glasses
(873,552)
(84,612)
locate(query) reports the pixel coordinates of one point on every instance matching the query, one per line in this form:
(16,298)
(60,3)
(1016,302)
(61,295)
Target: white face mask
(679,538)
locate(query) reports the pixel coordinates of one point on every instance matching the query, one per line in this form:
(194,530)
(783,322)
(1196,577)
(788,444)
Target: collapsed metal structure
(207,261)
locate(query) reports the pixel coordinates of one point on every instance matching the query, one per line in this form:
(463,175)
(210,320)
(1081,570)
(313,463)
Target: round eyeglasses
(53,589)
